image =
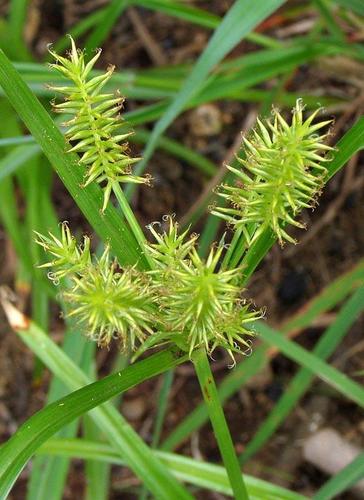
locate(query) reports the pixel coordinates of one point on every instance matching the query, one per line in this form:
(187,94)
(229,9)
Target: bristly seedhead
(200,304)
(93,130)
(112,304)
(281,174)
(107,301)
(170,247)
(68,257)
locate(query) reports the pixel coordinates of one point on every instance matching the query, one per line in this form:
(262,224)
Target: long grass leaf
(238,21)
(48,476)
(219,424)
(304,377)
(196,472)
(343,480)
(17,451)
(339,381)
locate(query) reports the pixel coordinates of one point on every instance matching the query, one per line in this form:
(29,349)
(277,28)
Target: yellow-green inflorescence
(200,304)
(94,129)
(281,173)
(108,302)
(183,299)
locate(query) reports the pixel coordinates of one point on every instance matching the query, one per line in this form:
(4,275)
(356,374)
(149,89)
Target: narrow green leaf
(355,5)
(324,8)
(48,475)
(239,21)
(343,480)
(97,475)
(105,24)
(210,476)
(301,382)
(44,424)
(217,418)
(17,22)
(348,145)
(343,384)
(16,158)
(186,12)
(333,293)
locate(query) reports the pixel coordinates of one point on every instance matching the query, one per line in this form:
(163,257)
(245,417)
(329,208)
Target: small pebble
(133,409)
(206,120)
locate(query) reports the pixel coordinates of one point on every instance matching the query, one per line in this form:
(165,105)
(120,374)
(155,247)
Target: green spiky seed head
(94,129)
(68,257)
(200,304)
(170,247)
(107,301)
(282,173)
(112,304)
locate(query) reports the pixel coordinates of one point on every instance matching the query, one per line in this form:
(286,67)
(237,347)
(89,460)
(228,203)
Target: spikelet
(96,119)
(112,304)
(170,247)
(282,173)
(200,304)
(108,302)
(68,257)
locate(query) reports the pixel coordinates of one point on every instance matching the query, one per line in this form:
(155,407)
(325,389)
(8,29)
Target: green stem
(232,247)
(219,424)
(130,217)
(162,403)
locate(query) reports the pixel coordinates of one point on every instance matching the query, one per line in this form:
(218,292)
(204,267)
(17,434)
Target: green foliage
(282,174)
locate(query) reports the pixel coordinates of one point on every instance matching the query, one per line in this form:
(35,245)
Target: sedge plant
(181,299)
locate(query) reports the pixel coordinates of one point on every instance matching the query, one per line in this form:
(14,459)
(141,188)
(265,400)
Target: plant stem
(167,380)
(219,424)
(232,247)
(130,217)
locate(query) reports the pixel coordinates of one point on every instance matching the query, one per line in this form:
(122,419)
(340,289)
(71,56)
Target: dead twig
(153,49)
(207,192)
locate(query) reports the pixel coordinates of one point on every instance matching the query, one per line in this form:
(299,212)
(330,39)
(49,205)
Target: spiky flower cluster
(170,247)
(96,118)
(281,174)
(108,302)
(69,257)
(183,299)
(200,304)
(112,304)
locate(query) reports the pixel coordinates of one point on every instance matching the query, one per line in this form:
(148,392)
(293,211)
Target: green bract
(281,175)
(96,118)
